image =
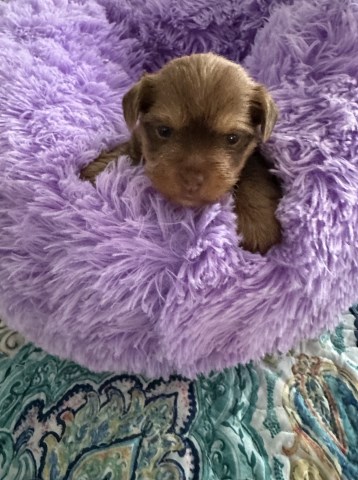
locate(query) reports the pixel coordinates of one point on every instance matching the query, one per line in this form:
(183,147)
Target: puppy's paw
(93,169)
(260,234)
(257,196)
(90,171)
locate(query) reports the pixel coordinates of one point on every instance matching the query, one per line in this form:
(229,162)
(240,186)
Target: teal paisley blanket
(289,417)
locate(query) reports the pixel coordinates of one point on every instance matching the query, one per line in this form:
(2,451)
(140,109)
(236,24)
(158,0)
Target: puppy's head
(198,119)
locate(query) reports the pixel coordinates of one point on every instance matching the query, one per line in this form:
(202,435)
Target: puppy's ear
(263,111)
(137,100)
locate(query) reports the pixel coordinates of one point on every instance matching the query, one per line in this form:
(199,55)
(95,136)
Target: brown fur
(204,98)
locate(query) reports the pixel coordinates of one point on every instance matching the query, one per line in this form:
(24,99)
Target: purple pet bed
(117,278)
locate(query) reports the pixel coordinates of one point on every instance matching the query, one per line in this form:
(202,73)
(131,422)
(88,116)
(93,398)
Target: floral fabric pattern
(287,417)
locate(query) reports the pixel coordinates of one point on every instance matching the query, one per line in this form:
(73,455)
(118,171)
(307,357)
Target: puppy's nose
(192,181)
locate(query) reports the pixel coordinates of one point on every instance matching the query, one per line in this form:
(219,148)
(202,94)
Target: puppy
(196,125)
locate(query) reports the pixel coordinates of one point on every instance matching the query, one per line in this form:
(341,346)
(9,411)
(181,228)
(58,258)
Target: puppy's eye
(232,138)
(164,132)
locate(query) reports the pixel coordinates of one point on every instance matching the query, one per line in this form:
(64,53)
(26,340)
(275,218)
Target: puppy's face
(198,120)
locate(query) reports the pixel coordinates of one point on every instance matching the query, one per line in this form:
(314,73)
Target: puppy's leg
(257,195)
(131,148)
(90,171)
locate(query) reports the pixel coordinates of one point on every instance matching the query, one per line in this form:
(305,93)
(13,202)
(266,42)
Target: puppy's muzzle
(191,182)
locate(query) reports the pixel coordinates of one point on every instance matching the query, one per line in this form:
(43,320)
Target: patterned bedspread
(289,417)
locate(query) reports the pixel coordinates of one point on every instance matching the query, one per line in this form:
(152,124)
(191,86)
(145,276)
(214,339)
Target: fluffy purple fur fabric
(116,278)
